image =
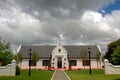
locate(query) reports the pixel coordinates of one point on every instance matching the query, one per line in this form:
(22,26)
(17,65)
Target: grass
(74,75)
(96,75)
(35,75)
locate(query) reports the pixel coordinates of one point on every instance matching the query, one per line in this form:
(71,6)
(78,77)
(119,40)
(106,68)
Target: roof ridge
(56,45)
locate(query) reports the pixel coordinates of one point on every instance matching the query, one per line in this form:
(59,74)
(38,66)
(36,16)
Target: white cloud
(98,29)
(61,21)
(18,26)
(94,21)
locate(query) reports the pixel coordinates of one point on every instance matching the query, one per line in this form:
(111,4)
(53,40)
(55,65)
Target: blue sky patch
(111,7)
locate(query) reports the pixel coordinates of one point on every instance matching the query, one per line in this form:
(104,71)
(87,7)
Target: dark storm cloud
(62,9)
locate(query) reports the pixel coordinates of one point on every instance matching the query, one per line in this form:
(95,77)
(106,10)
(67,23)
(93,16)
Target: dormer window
(59,50)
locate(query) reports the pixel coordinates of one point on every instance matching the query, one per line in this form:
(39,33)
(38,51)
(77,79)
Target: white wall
(24,64)
(9,70)
(111,69)
(94,64)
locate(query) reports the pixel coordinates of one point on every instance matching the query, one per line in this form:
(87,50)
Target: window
(73,63)
(85,63)
(32,63)
(59,50)
(46,62)
(64,59)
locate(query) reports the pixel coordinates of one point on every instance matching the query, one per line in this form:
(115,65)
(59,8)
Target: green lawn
(35,75)
(96,75)
(74,75)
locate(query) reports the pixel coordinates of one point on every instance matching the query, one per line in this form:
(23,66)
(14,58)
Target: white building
(62,57)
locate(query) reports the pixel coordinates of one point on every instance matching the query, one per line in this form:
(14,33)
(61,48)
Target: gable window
(73,63)
(59,50)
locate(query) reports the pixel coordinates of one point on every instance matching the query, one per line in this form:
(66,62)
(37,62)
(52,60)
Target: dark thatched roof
(73,51)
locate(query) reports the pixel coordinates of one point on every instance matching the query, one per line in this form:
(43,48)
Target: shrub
(17,70)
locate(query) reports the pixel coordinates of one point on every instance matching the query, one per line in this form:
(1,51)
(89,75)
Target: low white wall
(111,69)
(9,70)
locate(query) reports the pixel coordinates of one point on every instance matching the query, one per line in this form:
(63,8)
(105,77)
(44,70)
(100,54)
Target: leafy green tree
(110,49)
(6,54)
(116,56)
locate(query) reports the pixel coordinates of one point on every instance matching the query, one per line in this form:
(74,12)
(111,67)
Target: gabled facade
(62,57)
(59,57)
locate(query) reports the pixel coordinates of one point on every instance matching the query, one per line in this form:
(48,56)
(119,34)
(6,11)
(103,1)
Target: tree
(116,56)
(110,49)
(35,56)
(19,58)
(83,55)
(98,58)
(6,54)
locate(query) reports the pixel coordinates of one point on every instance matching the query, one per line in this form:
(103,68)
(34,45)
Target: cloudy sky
(73,22)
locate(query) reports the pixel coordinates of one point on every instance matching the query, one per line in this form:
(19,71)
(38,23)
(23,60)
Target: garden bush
(17,70)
